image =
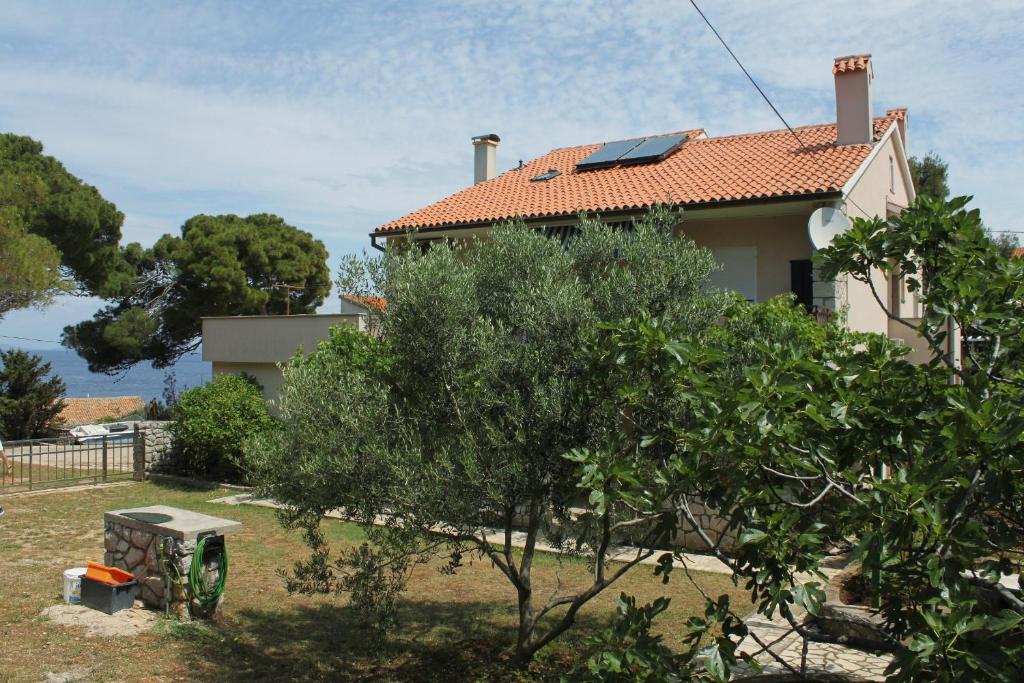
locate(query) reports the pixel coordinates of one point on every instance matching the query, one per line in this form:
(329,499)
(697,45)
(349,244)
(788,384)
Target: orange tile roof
(1017,253)
(752,166)
(851,63)
(82,411)
(377,303)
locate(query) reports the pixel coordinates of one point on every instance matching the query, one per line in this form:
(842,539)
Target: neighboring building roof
(1017,253)
(851,63)
(377,303)
(83,411)
(754,166)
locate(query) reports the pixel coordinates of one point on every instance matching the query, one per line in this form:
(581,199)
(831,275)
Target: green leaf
(751,537)
(714,664)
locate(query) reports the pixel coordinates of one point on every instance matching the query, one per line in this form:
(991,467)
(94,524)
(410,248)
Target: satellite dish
(825,224)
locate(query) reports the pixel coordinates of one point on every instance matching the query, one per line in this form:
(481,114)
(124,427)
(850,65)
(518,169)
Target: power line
(766,98)
(45,341)
(745,72)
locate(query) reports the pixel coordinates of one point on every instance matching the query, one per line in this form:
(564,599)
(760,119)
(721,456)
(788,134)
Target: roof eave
(901,157)
(468,225)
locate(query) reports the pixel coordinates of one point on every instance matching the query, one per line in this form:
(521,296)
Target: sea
(140,380)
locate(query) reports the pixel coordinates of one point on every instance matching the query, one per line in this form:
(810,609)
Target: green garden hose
(207,595)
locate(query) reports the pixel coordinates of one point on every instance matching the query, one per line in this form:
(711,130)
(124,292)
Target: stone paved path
(699,563)
(821,657)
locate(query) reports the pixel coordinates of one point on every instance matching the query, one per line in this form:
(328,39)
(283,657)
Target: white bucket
(73,585)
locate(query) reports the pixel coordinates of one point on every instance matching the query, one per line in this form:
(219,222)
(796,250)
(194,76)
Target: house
(362,306)
(255,345)
(746,197)
(83,411)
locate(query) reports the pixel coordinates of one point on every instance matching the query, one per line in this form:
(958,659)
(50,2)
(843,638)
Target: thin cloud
(341,117)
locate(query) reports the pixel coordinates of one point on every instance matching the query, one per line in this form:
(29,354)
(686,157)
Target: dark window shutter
(801,281)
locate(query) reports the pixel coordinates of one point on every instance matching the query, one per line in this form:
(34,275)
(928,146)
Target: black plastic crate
(107,598)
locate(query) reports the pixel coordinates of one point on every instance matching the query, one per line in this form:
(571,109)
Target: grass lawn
(452,628)
(53,477)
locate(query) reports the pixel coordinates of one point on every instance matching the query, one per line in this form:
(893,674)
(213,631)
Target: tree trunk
(525,645)
(524,653)
(528,642)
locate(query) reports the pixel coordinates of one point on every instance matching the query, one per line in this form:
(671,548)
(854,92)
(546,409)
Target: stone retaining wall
(713,525)
(154,445)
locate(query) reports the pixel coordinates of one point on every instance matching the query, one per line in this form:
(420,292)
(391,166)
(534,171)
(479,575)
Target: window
(801,282)
(547,175)
(898,296)
(895,293)
(426,244)
(739,270)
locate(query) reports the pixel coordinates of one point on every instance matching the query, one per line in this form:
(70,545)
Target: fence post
(104,459)
(139,453)
(29,467)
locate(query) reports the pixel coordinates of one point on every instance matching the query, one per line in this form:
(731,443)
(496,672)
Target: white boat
(90,433)
(87,433)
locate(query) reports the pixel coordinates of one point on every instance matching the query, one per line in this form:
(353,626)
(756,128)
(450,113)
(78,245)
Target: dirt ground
(126,623)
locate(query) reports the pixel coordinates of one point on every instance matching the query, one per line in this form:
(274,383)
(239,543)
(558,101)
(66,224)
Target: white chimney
(485,148)
(853,76)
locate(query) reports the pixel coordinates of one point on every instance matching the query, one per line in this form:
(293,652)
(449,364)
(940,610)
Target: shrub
(215,422)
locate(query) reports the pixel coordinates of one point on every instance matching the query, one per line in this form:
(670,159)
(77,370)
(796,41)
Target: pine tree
(29,401)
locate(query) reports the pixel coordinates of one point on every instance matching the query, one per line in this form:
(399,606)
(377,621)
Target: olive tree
(448,429)
(808,442)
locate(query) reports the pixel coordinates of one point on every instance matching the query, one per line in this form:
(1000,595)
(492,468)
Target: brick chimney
(853,75)
(485,148)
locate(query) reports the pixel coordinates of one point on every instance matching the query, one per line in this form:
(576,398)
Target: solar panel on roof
(609,154)
(653,149)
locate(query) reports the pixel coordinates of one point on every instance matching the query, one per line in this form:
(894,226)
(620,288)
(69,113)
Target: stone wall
(138,551)
(713,525)
(828,296)
(153,449)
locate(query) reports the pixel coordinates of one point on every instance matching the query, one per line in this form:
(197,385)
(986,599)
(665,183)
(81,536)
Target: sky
(340,116)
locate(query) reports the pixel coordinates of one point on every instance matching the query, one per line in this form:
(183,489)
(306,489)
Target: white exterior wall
(255,345)
(870,196)
(775,235)
(266,338)
(267,374)
(885,185)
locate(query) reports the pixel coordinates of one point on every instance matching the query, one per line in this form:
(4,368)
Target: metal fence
(63,461)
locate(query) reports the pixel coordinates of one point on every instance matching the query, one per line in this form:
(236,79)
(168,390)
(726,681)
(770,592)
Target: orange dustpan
(112,576)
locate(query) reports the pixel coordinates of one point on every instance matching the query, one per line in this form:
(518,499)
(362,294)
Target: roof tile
(377,303)
(80,411)
(704,170)
(851,63)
